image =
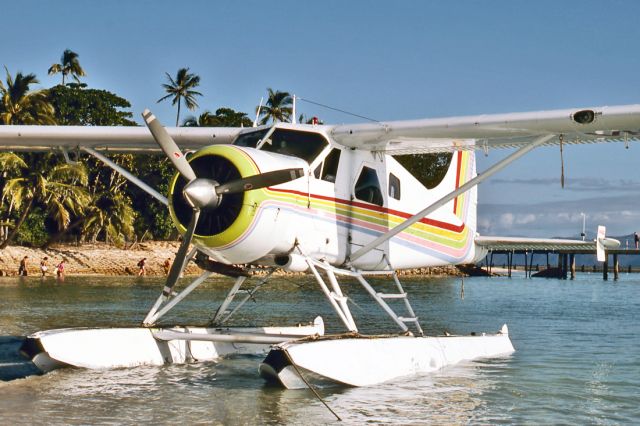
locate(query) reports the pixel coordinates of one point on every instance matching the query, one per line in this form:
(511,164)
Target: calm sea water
(577,358)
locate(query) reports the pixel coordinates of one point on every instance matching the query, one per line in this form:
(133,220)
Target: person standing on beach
(60,270)
(141,267)
(636,239)
(22,269)
(43,266)
(166,266)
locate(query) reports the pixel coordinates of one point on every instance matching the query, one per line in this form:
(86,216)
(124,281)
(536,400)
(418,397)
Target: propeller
(259,181)
(169,147)
(201,193)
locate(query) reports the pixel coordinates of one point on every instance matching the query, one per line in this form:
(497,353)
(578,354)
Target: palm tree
(206,119)
(69,64)
(182,89)
(277,108)
(20,105)
(9,163)
(110,214)
(60,190)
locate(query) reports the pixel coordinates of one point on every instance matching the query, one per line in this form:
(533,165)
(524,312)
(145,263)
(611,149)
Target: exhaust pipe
(291,262)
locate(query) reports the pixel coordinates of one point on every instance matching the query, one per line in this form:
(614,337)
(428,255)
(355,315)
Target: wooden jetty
(566,261)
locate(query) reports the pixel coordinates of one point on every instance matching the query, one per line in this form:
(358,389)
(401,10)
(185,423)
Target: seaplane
(327,200)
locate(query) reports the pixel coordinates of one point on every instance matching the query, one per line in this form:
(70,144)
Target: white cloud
(524,219)
(506,220)
(561,218)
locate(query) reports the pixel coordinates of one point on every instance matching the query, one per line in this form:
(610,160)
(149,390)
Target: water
(577,358)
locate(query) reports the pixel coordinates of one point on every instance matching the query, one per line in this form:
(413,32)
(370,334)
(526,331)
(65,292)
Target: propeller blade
(169,147)
(179,262)
(261,180)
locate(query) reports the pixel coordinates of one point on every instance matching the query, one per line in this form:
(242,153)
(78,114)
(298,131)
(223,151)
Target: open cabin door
(368,217)
(328,204)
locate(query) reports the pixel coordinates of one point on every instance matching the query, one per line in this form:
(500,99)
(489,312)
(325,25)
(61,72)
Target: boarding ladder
(335,296)
(400,294)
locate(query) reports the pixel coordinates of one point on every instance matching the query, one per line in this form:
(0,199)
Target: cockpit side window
(305,145)
(368,187)
(250,139)
(394,186)
(330,168)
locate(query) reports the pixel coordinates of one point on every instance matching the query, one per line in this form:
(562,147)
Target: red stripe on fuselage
(459,165)
(426,221)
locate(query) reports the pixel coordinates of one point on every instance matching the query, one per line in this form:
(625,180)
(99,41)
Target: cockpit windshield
(305,145)
(251,139)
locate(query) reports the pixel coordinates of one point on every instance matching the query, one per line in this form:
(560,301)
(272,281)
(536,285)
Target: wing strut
(444,200)
(127,175)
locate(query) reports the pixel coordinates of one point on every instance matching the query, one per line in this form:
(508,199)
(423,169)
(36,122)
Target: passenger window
(330,168)
(368,187)
(394,186)
(316,172)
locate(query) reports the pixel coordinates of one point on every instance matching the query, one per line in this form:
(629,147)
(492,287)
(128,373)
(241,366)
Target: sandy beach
(104,259)
(93,259)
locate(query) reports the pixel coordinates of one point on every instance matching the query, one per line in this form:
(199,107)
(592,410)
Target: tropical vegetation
(279,107)
(60,191)
(20,104)
(45,199)
(69,65)
(180,89)
(224,117)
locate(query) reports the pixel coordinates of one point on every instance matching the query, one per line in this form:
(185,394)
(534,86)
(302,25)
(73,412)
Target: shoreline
(101,259)
(93,259)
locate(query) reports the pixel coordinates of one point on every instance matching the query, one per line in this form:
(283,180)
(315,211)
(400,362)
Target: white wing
(579,125)
(114,138)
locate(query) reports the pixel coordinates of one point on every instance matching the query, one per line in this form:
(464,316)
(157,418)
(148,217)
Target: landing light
(586,116)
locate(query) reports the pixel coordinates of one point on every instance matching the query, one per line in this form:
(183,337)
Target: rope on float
(286,352)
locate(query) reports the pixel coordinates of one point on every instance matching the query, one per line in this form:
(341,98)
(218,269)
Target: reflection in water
(454,395)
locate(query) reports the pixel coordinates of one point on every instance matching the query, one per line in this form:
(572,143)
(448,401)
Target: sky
(384,60)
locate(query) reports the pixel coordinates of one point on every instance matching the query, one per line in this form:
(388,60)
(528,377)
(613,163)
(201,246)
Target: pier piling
(572,261)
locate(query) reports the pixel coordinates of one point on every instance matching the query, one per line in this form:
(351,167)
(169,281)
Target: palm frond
(11,161)
(59,214)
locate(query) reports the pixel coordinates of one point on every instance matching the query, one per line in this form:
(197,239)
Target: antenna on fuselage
(293,111)
(255,122)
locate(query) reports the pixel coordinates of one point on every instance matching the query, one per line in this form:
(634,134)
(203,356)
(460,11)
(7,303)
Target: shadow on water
(13,365)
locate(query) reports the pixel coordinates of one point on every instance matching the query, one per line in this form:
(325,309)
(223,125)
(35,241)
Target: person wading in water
(43,266)
(22,269)
(60,270)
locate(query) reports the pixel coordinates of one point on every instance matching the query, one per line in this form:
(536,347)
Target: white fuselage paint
(325,219)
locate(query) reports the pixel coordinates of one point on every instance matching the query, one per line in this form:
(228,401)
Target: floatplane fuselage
(345,199)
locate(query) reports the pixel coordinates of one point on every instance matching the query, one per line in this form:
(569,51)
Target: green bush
(33,233)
